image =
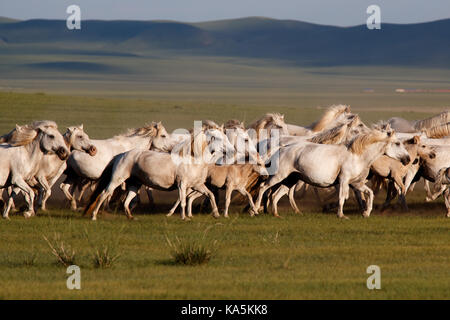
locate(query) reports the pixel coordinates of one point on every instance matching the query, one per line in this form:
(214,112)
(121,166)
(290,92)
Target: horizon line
(15,20)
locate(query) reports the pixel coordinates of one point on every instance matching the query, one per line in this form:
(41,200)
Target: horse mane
(434,121)
(23,135)
(209,124)
(330,136)
(234,124)
(359,144)
(439,131)
(264,120)
(43,124)
(148,130)
(330,114)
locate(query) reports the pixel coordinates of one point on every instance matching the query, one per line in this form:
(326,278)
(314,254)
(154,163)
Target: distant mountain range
(422,44)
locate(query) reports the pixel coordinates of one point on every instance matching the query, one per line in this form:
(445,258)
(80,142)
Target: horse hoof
(169,214)
(344,217)
(28,215)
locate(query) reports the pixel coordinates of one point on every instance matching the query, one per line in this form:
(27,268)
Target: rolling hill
(424,44)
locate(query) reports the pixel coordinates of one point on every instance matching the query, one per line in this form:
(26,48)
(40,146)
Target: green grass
(297,257)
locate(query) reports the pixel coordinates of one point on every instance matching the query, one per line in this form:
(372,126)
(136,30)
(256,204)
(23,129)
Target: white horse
(323,165)
(51,166)
(19,161)
(164,171)
(343,133)
(83,168)
(235,175)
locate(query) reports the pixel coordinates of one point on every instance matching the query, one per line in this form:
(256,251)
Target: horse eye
(163,136)
(80,137)
(397,143)
(51,136)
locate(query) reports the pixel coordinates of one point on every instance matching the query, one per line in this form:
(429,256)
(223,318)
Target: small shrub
(30,260)
(64,254)
(104,251)
(104,256)
(191,252)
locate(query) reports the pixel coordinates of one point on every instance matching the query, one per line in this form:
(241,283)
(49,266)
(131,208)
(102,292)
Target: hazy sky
(332,12)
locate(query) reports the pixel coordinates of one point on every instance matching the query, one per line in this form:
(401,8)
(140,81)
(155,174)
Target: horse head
(77,139)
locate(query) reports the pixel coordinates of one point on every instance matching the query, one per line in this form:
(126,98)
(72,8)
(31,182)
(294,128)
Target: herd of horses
(263,162)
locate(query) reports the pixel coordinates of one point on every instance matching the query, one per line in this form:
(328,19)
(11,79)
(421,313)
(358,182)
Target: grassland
(297,257)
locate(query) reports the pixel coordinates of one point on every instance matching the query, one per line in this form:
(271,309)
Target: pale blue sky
(331,12)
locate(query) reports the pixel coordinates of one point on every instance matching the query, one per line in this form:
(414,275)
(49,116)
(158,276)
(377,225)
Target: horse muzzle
(92,150)
(405,160)
(62,153)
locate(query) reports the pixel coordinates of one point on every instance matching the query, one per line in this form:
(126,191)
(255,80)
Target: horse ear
(416,139)
(388,126)
(81,127)
(18,128)
(70,129)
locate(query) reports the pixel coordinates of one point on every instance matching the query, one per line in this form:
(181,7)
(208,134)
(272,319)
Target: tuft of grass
(104,256)
(104,252)
(30,259)
(191,252)
(64,254)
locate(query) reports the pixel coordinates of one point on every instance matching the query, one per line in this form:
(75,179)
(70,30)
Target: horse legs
(29,195)
(369,202)
(436,194)
(150,197)
(177,203)
(244,192)
(273,180)
(182,197)
(343,195)
(10,202)
(228,192)
(83,186)
(44,192)
(300,184)
(132,193)
(447,201)
(192,195)
(204,190)
(276,196)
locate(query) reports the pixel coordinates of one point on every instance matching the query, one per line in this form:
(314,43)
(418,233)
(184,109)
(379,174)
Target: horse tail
(102,183)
